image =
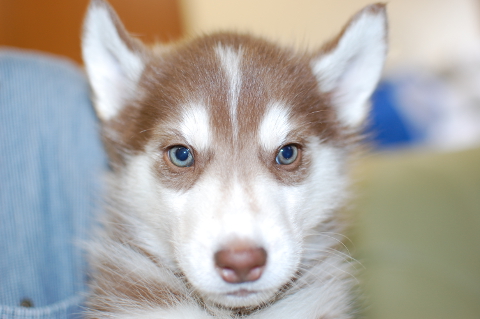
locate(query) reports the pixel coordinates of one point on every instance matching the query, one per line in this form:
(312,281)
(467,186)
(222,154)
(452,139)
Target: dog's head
(228,150)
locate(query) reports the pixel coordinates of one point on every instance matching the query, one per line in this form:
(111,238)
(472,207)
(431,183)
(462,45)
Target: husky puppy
(228,158)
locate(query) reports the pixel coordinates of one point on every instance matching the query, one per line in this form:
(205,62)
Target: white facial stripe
(230,61)
(275,126)
(195,126)
(237,218)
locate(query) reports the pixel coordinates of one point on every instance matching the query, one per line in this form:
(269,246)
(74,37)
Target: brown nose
(240,262)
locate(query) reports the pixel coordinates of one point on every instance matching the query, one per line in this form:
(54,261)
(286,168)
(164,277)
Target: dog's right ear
(114,61)
(350,66)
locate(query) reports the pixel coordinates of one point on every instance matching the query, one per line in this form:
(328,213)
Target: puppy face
(235,119)
(229,149)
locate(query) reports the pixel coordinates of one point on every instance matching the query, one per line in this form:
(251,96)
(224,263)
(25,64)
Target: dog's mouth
(242,293)
(240,298)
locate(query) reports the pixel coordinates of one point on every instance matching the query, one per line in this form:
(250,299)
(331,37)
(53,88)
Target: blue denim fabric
(51,160)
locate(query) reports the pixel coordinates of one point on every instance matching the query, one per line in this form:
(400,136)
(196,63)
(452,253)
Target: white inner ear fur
(113,69)
(353,68)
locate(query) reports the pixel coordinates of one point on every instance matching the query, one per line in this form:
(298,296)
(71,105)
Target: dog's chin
(241,298)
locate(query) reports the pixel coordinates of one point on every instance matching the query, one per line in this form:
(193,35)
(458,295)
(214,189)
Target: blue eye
(180,156)
(287,155)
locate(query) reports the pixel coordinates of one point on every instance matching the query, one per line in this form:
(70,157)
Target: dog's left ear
(349,67)
(114,61)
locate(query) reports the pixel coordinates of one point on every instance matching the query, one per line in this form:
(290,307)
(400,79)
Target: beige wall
(422,31)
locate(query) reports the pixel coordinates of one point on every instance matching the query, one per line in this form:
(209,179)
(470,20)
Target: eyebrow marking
(275,126)
(195,126)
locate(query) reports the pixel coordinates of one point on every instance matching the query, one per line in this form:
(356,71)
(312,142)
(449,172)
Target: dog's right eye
(181,156)
(287,155)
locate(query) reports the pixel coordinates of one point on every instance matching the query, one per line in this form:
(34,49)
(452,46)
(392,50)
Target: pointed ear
(114,61)
(350,66)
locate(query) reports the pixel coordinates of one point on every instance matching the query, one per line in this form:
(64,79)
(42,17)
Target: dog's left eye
(287,155)
(180,156)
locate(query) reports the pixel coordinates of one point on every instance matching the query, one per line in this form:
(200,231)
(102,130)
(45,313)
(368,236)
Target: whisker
(344,256)
(330,274)
(326,234)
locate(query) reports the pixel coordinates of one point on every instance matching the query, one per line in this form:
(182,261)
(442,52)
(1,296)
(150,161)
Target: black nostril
(239,262)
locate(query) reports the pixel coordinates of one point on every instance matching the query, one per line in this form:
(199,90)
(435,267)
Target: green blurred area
(417,233)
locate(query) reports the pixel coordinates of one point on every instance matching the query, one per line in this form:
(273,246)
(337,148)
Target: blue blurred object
(386,128)
(51,158)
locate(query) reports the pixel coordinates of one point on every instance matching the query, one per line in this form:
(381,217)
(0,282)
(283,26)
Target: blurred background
(417,213)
